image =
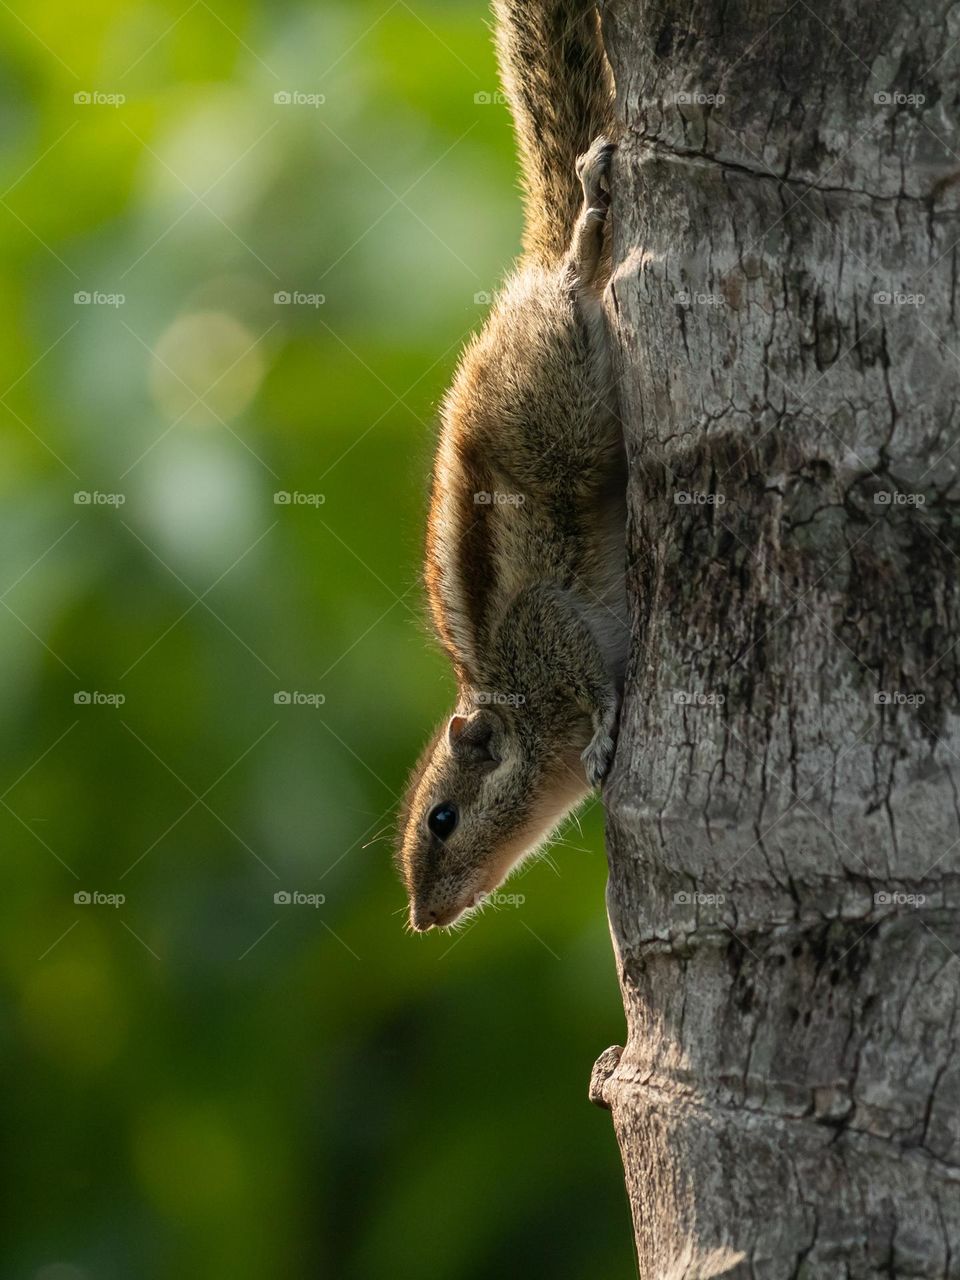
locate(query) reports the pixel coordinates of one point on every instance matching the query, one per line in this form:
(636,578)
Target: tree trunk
(783,815)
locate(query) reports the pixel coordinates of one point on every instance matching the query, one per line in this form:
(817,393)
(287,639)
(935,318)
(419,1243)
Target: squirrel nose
(422,919)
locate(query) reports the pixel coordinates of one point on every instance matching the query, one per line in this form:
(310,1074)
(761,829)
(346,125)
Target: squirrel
(525,547)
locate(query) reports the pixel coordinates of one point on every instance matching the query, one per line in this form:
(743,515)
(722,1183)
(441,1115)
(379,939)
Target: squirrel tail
(558,83)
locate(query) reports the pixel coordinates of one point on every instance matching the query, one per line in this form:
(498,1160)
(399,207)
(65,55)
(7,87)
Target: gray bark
(783,814)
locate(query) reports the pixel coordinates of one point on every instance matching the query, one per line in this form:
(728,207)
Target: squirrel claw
(598,757)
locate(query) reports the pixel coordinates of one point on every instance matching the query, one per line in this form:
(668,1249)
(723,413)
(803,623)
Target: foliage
(201,1081)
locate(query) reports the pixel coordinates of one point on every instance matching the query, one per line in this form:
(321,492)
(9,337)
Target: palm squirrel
(525,541)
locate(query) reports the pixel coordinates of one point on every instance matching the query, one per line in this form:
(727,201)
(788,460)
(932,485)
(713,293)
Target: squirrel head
(477,802)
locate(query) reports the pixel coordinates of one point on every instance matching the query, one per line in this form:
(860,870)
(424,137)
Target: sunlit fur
(531,419)
(524,555)
(506,809)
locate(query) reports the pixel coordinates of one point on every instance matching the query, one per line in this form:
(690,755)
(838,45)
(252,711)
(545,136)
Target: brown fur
(557,81)
(526,580)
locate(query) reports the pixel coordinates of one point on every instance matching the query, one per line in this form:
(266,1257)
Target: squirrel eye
(443,820)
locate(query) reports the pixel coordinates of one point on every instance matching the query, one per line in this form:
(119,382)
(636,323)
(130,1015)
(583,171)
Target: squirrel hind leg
(586,252)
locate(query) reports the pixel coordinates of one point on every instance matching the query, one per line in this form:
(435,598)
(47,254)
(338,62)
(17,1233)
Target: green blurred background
(201,1081)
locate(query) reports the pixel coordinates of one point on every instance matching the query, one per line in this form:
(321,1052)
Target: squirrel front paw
(593,170)
(598,757)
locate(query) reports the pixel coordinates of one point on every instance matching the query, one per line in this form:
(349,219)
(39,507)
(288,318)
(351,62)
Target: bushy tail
(557,80)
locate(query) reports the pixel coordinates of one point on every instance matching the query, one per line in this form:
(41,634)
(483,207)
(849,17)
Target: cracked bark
(782,817)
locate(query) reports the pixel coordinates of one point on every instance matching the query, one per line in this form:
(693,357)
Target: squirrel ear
(455,728)
(473,737)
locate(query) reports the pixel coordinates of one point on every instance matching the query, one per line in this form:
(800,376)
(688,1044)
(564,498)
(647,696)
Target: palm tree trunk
(783,816)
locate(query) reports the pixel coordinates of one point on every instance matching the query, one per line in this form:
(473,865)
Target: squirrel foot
(598,756)
(593,170)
